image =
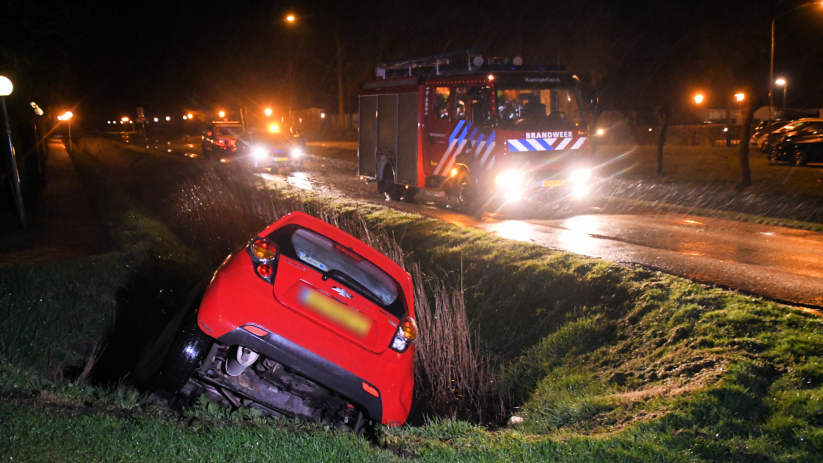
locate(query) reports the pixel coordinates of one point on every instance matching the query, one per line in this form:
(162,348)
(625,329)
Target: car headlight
(259,153)
(296,152)
(580,175)
(509,178)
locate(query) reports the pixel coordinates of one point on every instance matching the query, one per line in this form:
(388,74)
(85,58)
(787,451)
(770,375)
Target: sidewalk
(65,224)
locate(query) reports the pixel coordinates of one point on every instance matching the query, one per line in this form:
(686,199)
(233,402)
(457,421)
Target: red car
(304,321)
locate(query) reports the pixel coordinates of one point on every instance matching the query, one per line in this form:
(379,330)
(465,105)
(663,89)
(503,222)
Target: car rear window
(341,264)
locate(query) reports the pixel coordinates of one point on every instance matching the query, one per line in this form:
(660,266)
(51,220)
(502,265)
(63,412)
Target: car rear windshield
(341,264)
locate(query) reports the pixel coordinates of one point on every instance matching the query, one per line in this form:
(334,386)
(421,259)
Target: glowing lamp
(5,86)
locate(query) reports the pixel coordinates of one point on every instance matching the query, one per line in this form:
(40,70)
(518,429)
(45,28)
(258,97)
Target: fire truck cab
(483,133)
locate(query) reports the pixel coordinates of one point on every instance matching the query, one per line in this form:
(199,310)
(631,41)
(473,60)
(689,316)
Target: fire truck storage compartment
(388,128)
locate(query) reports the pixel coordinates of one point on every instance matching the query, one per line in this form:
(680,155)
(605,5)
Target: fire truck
(486,132)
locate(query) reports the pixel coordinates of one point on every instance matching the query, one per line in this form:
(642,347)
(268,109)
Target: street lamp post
(6,88)
(771,58)
(289,20)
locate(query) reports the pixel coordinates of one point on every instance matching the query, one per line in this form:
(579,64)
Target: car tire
(153,358)
(189,348)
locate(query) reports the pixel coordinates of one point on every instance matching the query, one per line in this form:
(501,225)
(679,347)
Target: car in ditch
(304,321)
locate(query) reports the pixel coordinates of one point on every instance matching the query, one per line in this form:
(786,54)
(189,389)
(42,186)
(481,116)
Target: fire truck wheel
(466,193)
(387,186)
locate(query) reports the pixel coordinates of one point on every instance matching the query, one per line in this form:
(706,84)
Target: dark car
(763,130)
(801,130)
(788,132)
(305,321)
(220,139)
(802,151)
(267,149)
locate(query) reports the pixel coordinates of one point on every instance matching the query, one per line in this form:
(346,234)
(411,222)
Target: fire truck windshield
(534,108)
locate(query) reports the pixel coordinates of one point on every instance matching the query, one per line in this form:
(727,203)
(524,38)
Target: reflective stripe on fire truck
(458,142)
(452,143)
(544,144)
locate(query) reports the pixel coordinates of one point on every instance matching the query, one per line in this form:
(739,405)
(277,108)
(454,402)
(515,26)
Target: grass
(601,362)
(704,181)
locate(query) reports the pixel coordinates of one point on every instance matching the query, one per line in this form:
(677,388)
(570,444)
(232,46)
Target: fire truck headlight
(580,176)
(509,178)
(580,191)
(512,195)
(296,153)
(259,153)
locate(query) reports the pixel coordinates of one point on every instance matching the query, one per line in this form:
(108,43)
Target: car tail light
(405,335)
(264,258)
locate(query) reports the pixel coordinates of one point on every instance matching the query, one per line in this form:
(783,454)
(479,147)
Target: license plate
(552,183)
(281,159)
(335,312)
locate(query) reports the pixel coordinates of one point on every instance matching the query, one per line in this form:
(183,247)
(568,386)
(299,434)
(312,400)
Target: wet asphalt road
(775,262)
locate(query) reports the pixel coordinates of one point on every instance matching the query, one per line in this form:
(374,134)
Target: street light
(782,82)
(290,20)
(168,118)
(156,120)
(739,97)
(5,90)
(190,116)
(67,117)
(771,59)
(268,112)
(222,114)
(698,98)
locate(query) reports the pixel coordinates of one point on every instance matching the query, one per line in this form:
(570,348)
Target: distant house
(762,113)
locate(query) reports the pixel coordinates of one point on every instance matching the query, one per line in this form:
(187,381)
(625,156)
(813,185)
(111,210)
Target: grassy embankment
(704,181)
(605,363)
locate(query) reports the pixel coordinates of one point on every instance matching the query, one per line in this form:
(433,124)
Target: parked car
(763,130)
(261,149)
(789,130)
(801,151)
(806,129)
(220,139)
(304,321)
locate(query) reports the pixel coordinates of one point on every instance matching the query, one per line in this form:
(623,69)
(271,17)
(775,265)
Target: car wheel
(189,348)
(156,355)
(798,157)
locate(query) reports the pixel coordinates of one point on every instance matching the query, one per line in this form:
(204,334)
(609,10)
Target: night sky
(173,56)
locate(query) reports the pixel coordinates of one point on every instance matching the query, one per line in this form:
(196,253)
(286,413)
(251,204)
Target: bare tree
(752,103)
(664,115)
